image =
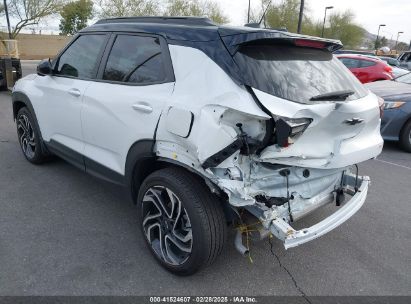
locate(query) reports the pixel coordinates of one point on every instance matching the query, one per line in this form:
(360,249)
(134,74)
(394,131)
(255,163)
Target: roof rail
(199,21)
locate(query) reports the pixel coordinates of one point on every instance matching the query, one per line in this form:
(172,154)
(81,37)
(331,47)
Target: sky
(395,14)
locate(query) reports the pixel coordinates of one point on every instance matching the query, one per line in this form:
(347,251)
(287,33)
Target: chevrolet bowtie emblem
(353,121)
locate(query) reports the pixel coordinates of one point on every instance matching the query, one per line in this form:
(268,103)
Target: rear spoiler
(234,41)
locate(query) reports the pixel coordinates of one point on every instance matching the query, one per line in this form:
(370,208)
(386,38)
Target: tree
(31,12)
(343,27)
(401,46)
(196,8)
(284,14)
(74,16)
(128,8)
(380,42)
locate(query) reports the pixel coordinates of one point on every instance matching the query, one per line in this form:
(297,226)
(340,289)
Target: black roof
(198,29)
(218,42)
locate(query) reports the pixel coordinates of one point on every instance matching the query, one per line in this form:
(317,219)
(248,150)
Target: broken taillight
(289,129)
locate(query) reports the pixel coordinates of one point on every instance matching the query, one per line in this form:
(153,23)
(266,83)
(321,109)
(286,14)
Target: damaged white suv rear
(208,126)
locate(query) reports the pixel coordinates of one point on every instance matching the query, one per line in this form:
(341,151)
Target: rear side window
(135,59)
(295,73)
(367,63)
(80,59)
(350,62)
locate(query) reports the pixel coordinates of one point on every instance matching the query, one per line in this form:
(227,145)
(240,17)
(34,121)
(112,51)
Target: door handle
(142,107)
(74,92)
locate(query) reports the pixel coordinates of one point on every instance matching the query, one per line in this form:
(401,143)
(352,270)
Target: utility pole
(249,8)
(325,16)
(300,17)
(6,11)
(378,35)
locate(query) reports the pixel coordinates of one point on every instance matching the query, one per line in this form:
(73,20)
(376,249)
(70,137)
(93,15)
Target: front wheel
(182,221)
(405,137)
(29,137)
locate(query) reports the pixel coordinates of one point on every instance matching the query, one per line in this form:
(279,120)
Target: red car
(367,69)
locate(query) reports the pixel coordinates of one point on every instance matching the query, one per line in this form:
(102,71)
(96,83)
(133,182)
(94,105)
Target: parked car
(391,61)
(367,69)
(396,122)
(205,125)
(397,71)
(354,52)
(394,63)
(405,60)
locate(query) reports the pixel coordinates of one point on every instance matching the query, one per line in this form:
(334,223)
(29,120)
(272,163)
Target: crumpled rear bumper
(292,238)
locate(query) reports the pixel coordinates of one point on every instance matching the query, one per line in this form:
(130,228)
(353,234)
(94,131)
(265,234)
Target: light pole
(249,8)
(325,16)
(300,17)
(396,42)
(378,34)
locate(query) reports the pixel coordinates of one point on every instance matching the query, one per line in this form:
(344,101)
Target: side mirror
(44,68)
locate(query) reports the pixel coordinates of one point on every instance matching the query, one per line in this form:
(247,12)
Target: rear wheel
(29,137)
(405,137)
(182,221)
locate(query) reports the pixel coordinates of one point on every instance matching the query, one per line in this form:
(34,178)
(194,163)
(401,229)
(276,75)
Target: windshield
(404,78)
(296,73)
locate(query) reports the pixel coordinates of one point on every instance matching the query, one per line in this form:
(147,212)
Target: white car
(208,127)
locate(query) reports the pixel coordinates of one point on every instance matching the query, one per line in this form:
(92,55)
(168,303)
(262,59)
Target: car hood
(389,88)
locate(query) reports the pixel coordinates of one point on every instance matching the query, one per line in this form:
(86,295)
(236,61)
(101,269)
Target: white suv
(206,126)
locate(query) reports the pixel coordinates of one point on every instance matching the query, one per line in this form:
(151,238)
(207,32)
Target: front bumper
(292,238)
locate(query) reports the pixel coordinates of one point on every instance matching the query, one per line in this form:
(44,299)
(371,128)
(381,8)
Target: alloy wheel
(166,225)
(26,136)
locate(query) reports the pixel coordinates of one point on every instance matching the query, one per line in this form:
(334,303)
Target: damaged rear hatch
(325,121)
(324,117)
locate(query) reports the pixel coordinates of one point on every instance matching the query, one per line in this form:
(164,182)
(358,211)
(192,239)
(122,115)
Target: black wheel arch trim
(142,161)
(140,158)
(19,97)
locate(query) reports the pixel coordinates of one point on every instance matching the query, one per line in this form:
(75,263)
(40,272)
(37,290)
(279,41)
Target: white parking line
(394,164)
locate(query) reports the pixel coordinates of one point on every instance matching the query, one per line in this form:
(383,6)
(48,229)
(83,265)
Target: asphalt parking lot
(63,232)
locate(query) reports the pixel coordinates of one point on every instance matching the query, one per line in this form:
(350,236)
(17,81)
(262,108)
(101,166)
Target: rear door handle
(74,92)
(142,107)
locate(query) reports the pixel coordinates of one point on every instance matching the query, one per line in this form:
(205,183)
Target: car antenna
(258,24)
(265,12)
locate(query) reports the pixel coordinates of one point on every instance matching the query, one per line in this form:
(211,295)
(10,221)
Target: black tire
(205,217)
(405,136)
(29,137)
